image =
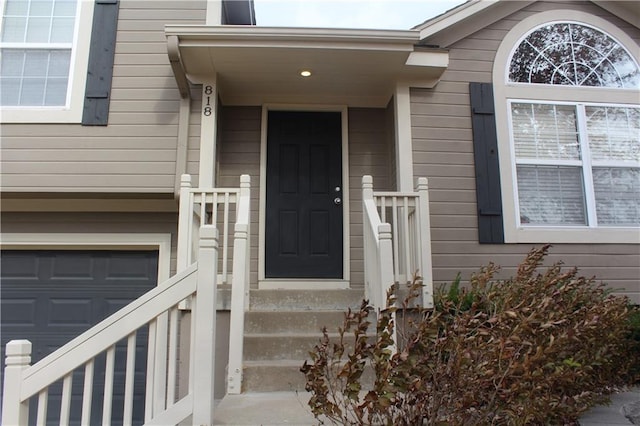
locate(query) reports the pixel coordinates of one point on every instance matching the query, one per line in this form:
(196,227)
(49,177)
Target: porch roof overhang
(258,65)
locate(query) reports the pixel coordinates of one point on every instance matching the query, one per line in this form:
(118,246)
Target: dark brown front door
(304,195)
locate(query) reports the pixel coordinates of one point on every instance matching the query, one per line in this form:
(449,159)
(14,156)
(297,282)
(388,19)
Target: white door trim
(264,283)
(94,241)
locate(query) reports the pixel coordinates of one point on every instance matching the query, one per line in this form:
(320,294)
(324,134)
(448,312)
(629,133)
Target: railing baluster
(43,400)
(127,414)
(65,401)
(225,239)
(405,226)
(203,209)
(87,393)
(107,399)
(395,239)
(173,356)
(214,209)
(151,368)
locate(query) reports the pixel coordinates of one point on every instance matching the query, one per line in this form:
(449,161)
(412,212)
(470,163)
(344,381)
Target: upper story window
(568,122)
(44,47)
(575,55)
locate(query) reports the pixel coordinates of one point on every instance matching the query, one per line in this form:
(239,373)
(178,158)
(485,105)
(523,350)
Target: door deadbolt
(337,189)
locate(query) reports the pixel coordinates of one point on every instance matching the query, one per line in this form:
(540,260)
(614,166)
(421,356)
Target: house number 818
(208,90)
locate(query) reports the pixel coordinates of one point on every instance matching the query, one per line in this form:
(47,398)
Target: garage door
(50,297)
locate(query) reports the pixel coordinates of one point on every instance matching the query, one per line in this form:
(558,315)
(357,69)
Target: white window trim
(94,241)
(505,92)
(72,111)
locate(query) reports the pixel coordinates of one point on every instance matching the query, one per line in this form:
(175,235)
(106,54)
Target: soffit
(257,65)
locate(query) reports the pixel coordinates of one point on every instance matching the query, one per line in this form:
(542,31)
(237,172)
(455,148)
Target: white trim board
(94,241)
(263,282)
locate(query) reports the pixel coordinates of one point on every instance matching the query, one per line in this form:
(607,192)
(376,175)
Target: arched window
(568,100)
(572,54)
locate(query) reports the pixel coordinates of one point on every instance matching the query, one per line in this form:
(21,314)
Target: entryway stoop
(281,327)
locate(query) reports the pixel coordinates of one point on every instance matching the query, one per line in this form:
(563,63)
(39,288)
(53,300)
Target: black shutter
(485,147)
(100,69)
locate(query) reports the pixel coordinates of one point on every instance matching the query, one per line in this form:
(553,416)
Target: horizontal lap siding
(369,154)
(443,152)
(238,153)
(136,152)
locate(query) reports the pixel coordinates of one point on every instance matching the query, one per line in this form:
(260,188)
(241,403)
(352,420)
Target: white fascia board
(203,35)
(454,16)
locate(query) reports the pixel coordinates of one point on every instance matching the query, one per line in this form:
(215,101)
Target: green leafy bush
(538,348)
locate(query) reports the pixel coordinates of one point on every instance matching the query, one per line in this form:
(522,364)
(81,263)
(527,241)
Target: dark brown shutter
(100,68)
(485,147)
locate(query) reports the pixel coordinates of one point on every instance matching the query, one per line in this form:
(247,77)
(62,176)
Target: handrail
(407,215)
(23,382)
(112,329)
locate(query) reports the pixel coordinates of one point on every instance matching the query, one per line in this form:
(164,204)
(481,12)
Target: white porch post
(18,358)
(204,321)
(209,117)
(404,147)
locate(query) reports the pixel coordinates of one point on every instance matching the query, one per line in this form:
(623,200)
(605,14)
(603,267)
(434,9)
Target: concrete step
(280,346)
(305,300)
(284,375)
(292,321)
(273,376)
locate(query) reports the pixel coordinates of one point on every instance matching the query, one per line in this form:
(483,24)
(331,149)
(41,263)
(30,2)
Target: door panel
(304,178)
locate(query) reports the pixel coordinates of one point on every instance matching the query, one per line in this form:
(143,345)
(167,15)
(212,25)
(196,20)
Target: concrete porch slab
(265,408)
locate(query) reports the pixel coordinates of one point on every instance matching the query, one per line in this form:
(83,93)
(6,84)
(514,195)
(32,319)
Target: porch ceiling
(257,65)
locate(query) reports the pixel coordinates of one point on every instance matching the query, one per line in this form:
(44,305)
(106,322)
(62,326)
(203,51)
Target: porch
(213,253)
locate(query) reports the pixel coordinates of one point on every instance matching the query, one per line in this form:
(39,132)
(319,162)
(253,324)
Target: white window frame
(506,92)
(71,112)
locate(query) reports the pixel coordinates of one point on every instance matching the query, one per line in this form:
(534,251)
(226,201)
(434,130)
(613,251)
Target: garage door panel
(80,266)
(50,297)
(18,312)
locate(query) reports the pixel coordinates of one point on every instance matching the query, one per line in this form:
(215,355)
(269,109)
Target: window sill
(572,236)
(40,115)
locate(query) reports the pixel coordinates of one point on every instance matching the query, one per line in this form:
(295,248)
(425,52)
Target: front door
(304,195)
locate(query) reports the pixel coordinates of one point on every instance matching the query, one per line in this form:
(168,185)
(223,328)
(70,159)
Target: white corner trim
(72,111)
(214,12)
(346,243)
(94,241)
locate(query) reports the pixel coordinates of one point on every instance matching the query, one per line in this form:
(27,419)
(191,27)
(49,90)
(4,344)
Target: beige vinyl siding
(369,154)
(238,151)
(443,152)
(136,152)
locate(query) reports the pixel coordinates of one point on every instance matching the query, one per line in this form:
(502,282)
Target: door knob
(337,201)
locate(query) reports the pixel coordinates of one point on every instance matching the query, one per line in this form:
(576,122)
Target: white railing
(83,355)
(203,250)
(397,240)
(221,207)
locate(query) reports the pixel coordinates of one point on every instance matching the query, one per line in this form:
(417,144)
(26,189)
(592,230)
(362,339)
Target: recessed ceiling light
(305,73)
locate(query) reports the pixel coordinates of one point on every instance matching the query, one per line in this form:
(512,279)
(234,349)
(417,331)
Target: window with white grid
(37,47)
(576,164)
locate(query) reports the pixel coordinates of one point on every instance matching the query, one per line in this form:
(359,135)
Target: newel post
(367,187)
(18,358)
(204,321)
(424,220)
(239,288)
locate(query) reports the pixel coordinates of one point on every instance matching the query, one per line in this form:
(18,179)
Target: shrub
(538,348)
